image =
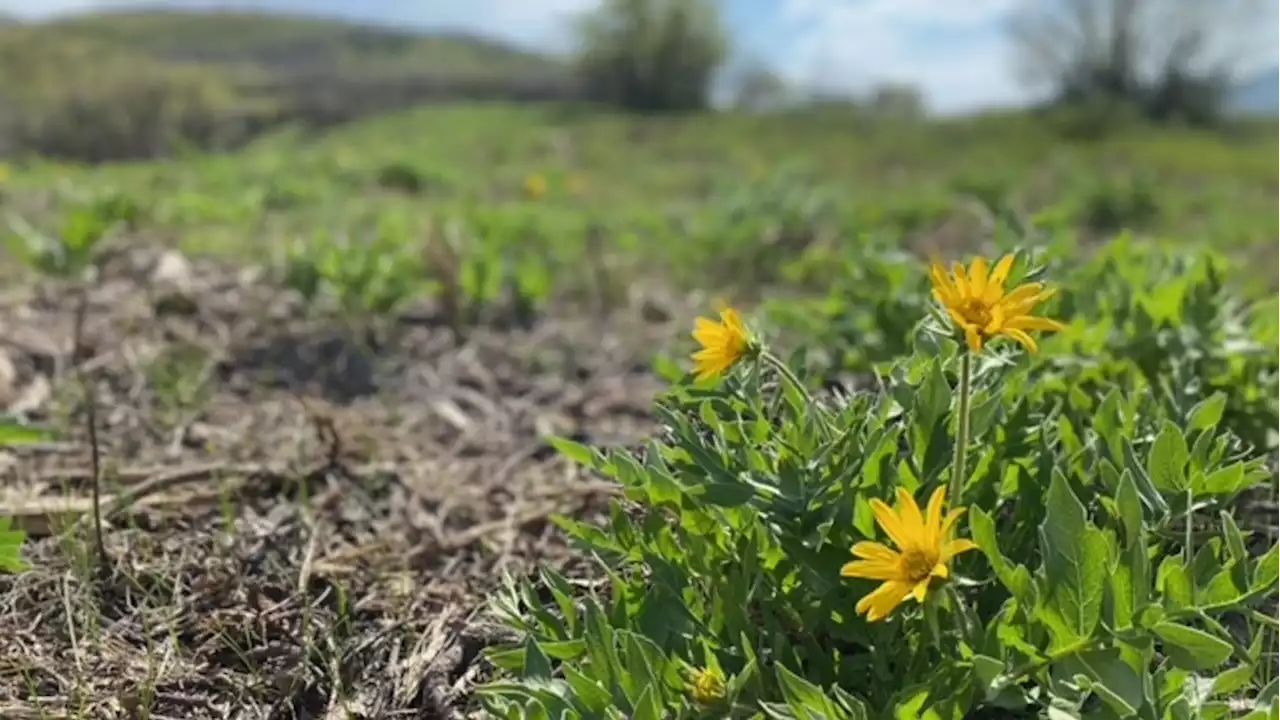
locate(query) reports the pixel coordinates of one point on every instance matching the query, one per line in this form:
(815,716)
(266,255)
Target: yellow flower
(708,686)
(978,304)
(535,186)
(723,343)
(924,549)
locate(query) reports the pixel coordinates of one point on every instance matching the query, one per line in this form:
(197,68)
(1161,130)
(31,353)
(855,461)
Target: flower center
(977,312)
(918,564)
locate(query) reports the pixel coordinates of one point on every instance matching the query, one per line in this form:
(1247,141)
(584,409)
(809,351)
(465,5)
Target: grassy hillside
(284,44)
(135,84)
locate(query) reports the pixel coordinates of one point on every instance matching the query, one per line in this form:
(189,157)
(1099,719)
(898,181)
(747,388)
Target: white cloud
(954,52)
(531,22)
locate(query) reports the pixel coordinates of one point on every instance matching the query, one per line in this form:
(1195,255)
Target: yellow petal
(1030,322)
(996,321)
(707,332)
(974,339)
(961,280)
(733,321)
(933,517)
(959,320)
(1023,338)
(912,521)
(870,569)
(1025,306)
(995,283)
(954,548)
(890,523)
(940,571)
(880,602)
(1021,294)
(943,288)
(920,590)
(950,520)
(942,300)
(710,355)
(978,277)
(874,551)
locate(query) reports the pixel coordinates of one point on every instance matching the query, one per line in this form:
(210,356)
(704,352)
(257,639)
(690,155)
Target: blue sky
(954,50)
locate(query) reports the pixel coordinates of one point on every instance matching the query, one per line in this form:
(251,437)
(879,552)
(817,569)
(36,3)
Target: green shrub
(1110,578)
(651,54)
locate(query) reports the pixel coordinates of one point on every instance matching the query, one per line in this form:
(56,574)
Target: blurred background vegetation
(145,83)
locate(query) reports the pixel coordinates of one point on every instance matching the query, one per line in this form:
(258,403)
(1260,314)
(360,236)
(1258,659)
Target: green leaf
(1076,556)
(13,433)
(1173,580)
(1130,505)
(588,690)
(11,548)
(536,662)
(1166,463)
(648,707)
(576,452)
(1146,487)
(1227,480)
(1267,572)
(1191,649)
(933,397)
(864,519)
(1208,412)
(982,528)
(1108,675)
(805,699)
(1230,682)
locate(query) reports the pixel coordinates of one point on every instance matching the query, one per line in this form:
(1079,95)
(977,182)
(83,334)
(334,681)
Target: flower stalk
(787,374)
(958,475)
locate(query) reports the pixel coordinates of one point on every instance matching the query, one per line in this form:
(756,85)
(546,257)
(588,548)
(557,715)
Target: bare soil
(294,528)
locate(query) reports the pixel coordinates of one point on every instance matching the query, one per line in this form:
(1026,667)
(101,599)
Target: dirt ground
(294,530)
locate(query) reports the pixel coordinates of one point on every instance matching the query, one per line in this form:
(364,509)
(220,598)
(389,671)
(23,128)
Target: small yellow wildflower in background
(977,303)
(723,343)
(535,186)
(924,550)
(709,686)
(5,173)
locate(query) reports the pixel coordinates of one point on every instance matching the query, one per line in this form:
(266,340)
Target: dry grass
(293,530)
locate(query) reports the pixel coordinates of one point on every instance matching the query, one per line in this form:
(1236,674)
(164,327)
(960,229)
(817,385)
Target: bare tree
(1158,54)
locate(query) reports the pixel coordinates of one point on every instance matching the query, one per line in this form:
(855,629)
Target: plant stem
(1017,674)
(824,421)
(787,374)
(970,633)
(958,475)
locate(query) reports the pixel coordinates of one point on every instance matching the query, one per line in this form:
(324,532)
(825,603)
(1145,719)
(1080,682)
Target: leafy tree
(652,55)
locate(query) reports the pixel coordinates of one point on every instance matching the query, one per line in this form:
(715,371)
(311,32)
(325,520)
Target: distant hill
(1259,95)
(156,78)
(292,43)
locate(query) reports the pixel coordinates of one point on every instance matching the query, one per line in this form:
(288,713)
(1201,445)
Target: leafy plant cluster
(1146,319)
(1113,578)
(482,267)
(70,250)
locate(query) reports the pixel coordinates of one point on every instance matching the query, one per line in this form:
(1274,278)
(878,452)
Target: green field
(850,175)
(329,373)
